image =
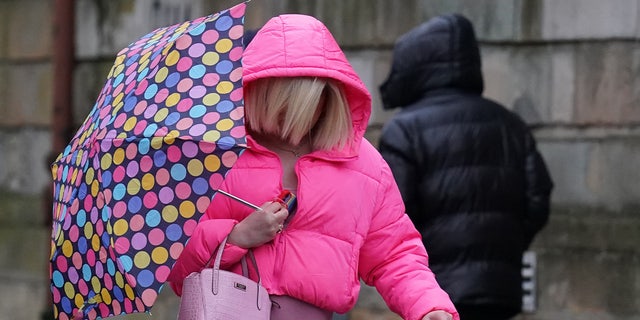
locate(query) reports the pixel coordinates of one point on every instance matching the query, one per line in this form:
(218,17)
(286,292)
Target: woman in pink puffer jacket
(306,114)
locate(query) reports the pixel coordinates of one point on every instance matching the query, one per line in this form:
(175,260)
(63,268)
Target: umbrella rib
(239,200)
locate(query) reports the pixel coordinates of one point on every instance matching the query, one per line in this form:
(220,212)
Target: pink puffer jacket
(350,222)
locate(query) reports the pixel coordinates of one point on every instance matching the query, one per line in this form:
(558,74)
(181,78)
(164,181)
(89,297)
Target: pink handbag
(215,294)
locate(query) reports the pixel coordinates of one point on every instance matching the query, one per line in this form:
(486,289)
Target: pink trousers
(288,308)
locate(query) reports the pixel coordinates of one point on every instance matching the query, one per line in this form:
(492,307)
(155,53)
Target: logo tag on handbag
(240,286)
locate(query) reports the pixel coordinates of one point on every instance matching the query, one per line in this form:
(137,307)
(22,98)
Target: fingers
(271,207)
(279,211)
(276,214)
(438,315)
(281,214)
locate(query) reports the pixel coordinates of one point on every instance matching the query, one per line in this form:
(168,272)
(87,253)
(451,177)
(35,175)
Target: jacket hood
(295,45)
(440,53)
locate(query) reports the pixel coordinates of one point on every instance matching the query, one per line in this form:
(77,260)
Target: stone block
(493,20)
(591,83)
(372,66)
(258,12)
(563,83)
(25,249)
(533,68)
(21,209)
(598,173)
(29,29)
(105,27)
(637,30)
(23,155)
(88,80)
(498,74)
(354,23)
(635,69)
(4,79)
(591,228)
(521,79)
(4,31)
(606,88)
(589,19)
(23,296)
(29,95)
(380,22)
(382,68)
(526,20)
(545,20)
(613,173)
(568,162)
(578,284)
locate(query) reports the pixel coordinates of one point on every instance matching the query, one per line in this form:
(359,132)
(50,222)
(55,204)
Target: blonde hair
(298,107)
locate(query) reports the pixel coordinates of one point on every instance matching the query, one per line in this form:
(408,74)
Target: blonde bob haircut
(298,108)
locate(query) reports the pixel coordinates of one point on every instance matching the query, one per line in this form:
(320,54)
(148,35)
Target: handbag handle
(215,281)
(245,270)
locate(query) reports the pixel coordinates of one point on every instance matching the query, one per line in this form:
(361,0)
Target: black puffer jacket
(468,169)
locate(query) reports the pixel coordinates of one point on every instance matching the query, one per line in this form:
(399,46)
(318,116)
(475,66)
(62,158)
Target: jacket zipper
(282,244)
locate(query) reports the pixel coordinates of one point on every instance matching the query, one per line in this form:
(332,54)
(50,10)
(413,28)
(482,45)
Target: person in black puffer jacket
(470,174)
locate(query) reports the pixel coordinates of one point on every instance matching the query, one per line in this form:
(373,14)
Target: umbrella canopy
(133,182)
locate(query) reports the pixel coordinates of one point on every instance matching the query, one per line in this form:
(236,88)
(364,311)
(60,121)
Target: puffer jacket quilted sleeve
(393,258)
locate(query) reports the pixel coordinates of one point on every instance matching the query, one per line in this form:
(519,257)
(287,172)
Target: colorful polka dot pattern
(139,173)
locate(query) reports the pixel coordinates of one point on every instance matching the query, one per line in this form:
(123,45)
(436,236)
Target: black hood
(440,53)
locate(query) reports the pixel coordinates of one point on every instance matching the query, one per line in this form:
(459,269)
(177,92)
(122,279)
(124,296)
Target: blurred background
(570,68)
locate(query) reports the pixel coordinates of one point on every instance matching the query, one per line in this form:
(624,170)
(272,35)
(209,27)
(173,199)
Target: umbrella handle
(239,200)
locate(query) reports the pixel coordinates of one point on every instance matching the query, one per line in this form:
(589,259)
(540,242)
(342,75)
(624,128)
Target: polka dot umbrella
(133,182)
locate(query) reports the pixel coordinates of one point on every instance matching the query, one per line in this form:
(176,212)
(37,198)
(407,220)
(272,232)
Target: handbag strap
(245,270)
(216,266)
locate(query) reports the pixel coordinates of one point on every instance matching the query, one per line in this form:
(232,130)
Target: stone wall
(570,68)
